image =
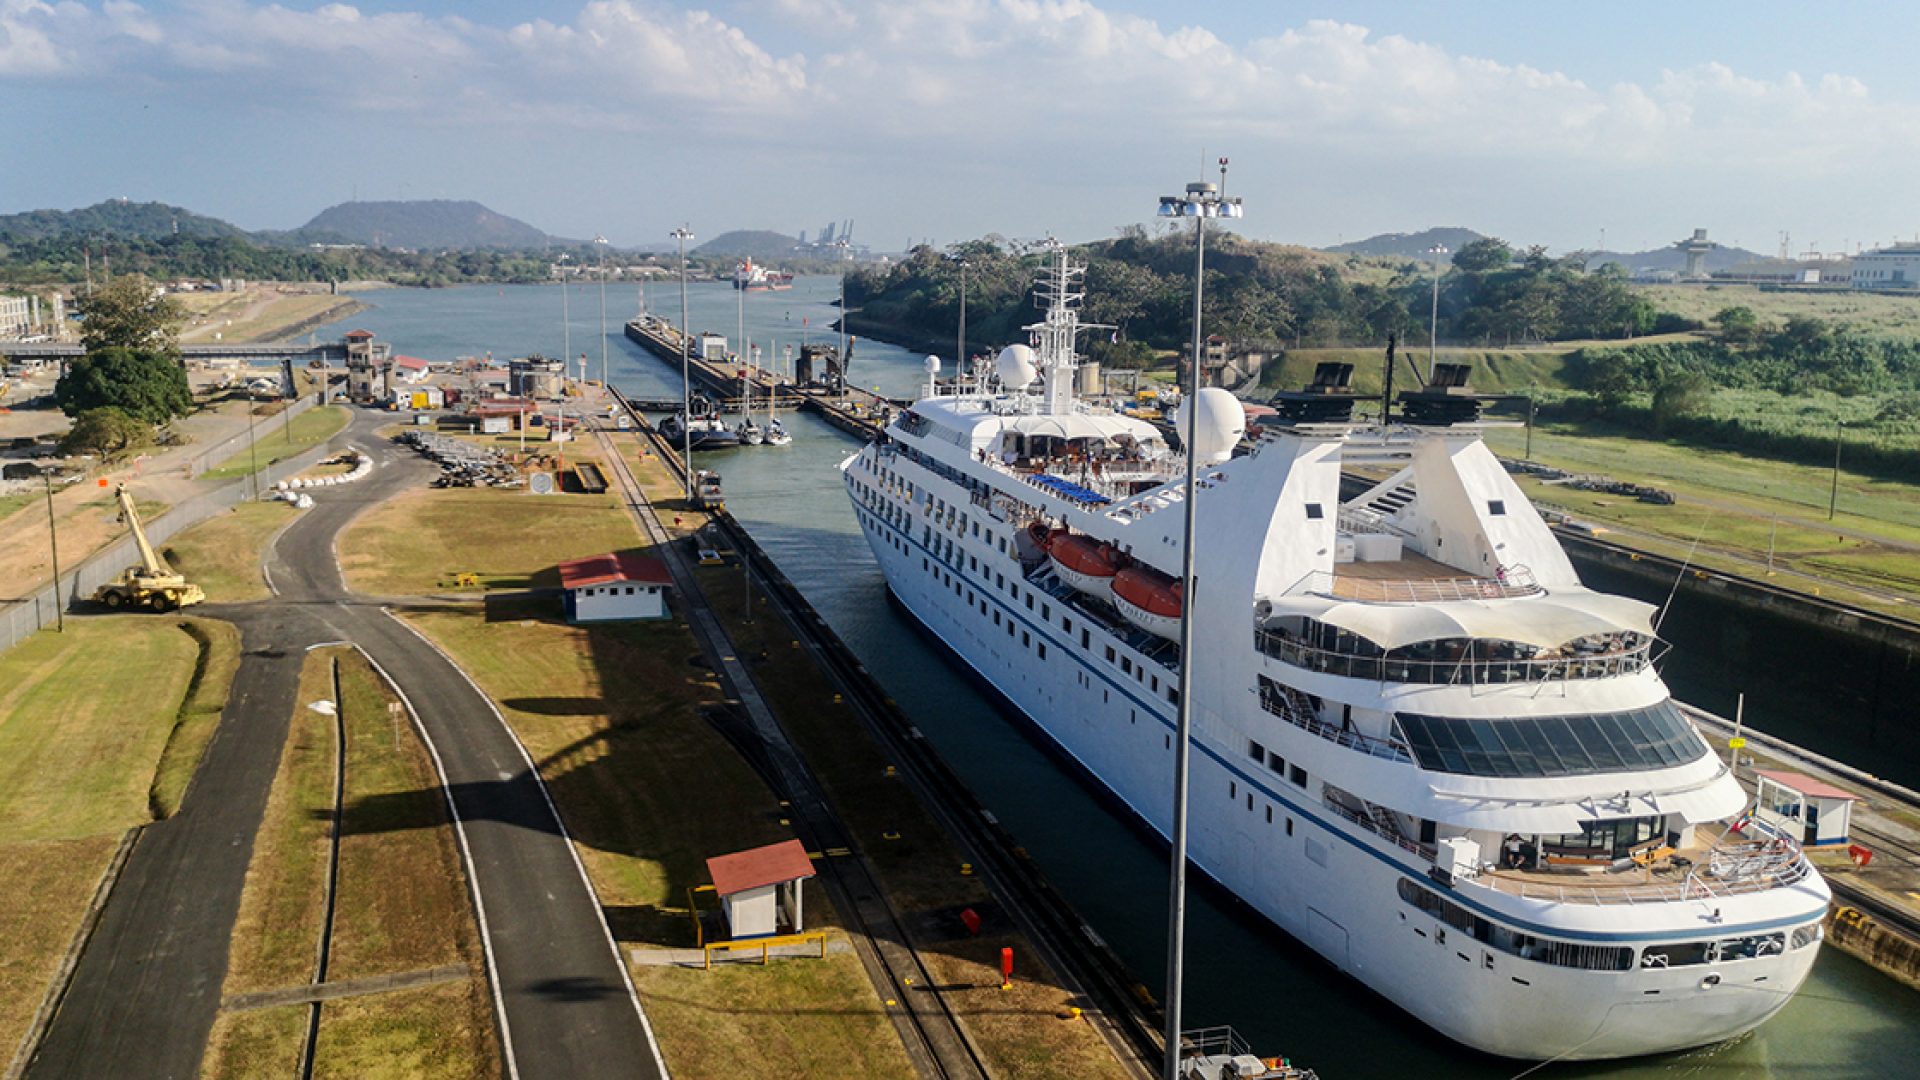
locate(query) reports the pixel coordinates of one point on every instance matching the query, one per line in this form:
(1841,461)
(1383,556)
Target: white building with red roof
(616,586)
(760,888)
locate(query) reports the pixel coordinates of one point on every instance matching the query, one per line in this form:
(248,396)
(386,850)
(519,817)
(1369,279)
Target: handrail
(1727,870)
(1366,744)
(1373,827)
(1469,671)
(1515,582)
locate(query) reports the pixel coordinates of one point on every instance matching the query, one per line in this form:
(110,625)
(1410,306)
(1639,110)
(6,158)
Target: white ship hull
(1331,886)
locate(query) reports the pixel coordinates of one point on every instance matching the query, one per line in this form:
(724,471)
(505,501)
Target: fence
(20,620)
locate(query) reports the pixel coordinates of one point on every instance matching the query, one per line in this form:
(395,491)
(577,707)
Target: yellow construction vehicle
(153,584)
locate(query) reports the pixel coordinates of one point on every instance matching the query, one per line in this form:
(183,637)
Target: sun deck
(1414,577)
(1719,862)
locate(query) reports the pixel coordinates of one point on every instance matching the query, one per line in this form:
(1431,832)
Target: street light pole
(253,461)
(1433,327)
(1201,201)
(601,242)
(683,234)
(960,343)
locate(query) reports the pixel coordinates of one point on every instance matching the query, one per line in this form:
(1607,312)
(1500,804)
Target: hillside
(1668,258)
(115,217)
(424,224)
(762,244)
(1409,245)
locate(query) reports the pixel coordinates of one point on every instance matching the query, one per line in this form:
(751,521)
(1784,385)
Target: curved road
(147,988)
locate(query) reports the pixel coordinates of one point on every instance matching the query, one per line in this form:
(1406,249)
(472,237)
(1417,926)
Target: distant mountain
(115,217)
(1669,258)
(423,224)
(1409,245)
(762,244)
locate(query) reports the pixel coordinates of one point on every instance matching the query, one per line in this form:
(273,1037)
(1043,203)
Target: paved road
(147,987)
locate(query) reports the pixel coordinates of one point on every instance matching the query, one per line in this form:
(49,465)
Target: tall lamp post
(1433,327)
(601,243)
(684,234)
(960,340)
(1201,201)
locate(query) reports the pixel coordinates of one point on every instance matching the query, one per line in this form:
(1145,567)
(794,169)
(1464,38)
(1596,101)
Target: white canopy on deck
(1548,620)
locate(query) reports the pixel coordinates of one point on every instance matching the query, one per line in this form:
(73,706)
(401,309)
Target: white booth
(1809,810)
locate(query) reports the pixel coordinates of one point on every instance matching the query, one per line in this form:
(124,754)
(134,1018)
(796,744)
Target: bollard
(1006,967)
(971,919)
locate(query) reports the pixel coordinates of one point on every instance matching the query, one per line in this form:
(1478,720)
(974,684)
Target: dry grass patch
(223,554)
(260,1042)
(402,902)
(414,542)
(844,1031)
(44,893)
(443,1032)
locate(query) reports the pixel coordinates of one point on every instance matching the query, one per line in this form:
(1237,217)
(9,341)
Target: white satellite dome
(933,365)
(1016,367)
(1223,421)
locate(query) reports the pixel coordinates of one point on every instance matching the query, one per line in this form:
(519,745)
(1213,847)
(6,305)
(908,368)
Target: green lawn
(86,719)
(276,439)
(414,543)
(223,554)
(1877,313)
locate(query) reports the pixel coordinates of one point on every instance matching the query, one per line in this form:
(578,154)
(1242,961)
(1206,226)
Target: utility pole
(601,242)
(53,542)
(684,234)
(566,320)
(253,460)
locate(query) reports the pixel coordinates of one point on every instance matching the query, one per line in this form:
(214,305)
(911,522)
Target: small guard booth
(1811,811)
(759,888)
(619,585)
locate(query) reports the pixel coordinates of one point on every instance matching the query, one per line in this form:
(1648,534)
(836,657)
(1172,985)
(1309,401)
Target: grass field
(1739,505)
(401,901)
(415,542)
(223,553)
(275,440)
(86,719)
(1874,313)
(649,789)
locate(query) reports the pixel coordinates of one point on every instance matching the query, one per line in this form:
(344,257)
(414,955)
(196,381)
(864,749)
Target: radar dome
(1016,367)
(933,365)
(1223,420)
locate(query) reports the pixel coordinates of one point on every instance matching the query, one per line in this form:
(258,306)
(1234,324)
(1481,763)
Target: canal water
(1848,1021)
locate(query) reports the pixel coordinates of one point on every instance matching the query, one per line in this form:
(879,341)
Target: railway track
(935,1039)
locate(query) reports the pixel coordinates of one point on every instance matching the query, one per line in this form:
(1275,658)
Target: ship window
(1026,640)
(1256,751)
(1496,507)
(1086,642)
(1298,775)
(1029,601)
(1109,654)
(1269,815)
(1314,512)
(1126,665)
(1249,800)
(1233,789)
(1289,826)
(1046,612)
(1043,650)
(996,617)
(1630,741)
(1277,763)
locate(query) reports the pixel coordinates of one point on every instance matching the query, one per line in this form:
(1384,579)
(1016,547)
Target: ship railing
(1461,671)
(1728,869)
(1372,826)
(1354,519)
(1513,582)
(1277,703)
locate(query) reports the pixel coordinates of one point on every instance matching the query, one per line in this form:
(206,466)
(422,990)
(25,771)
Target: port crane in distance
(152,585)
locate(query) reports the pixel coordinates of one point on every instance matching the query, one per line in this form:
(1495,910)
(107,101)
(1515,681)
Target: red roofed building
(1809,810)
(410,369)
(620,585)
(760,888)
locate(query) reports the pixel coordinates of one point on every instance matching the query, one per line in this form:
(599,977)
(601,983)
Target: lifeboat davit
(1083,562)
(1149,600)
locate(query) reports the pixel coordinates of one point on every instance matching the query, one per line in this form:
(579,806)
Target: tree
(105,431)
(1738,325)
(1486,253)
(144,384)
(130,312)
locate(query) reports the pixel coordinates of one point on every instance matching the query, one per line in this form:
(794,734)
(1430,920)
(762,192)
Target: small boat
(1149,600)
(750,432)
(777,434)
(705,431)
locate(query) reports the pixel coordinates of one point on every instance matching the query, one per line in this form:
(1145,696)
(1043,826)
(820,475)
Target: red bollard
(1861,856)
(972,920)
(1006,968)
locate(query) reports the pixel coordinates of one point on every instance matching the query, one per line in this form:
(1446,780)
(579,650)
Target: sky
(1560,124)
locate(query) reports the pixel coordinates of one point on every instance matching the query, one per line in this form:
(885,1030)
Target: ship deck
(1717,861)
(1387,579)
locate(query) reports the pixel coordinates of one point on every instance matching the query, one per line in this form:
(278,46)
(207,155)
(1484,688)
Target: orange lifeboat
(1083,562)
(1149,600)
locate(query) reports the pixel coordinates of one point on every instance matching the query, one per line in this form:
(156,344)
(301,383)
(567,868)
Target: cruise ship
(1421,746)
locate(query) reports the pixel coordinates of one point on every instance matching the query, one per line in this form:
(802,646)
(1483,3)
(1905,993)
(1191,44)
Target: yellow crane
(153,584)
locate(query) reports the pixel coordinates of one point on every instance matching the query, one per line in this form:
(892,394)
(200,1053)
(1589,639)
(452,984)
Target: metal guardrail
(1451,672)
(765,944)
(1366,744)
(1730,870)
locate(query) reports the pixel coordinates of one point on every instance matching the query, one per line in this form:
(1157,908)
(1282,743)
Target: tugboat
(704,431)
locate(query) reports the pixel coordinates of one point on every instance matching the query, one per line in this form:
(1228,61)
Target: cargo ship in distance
(750,278)
(1421,746)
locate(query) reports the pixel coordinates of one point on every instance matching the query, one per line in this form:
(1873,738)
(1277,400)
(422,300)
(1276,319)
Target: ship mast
(1054,335)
